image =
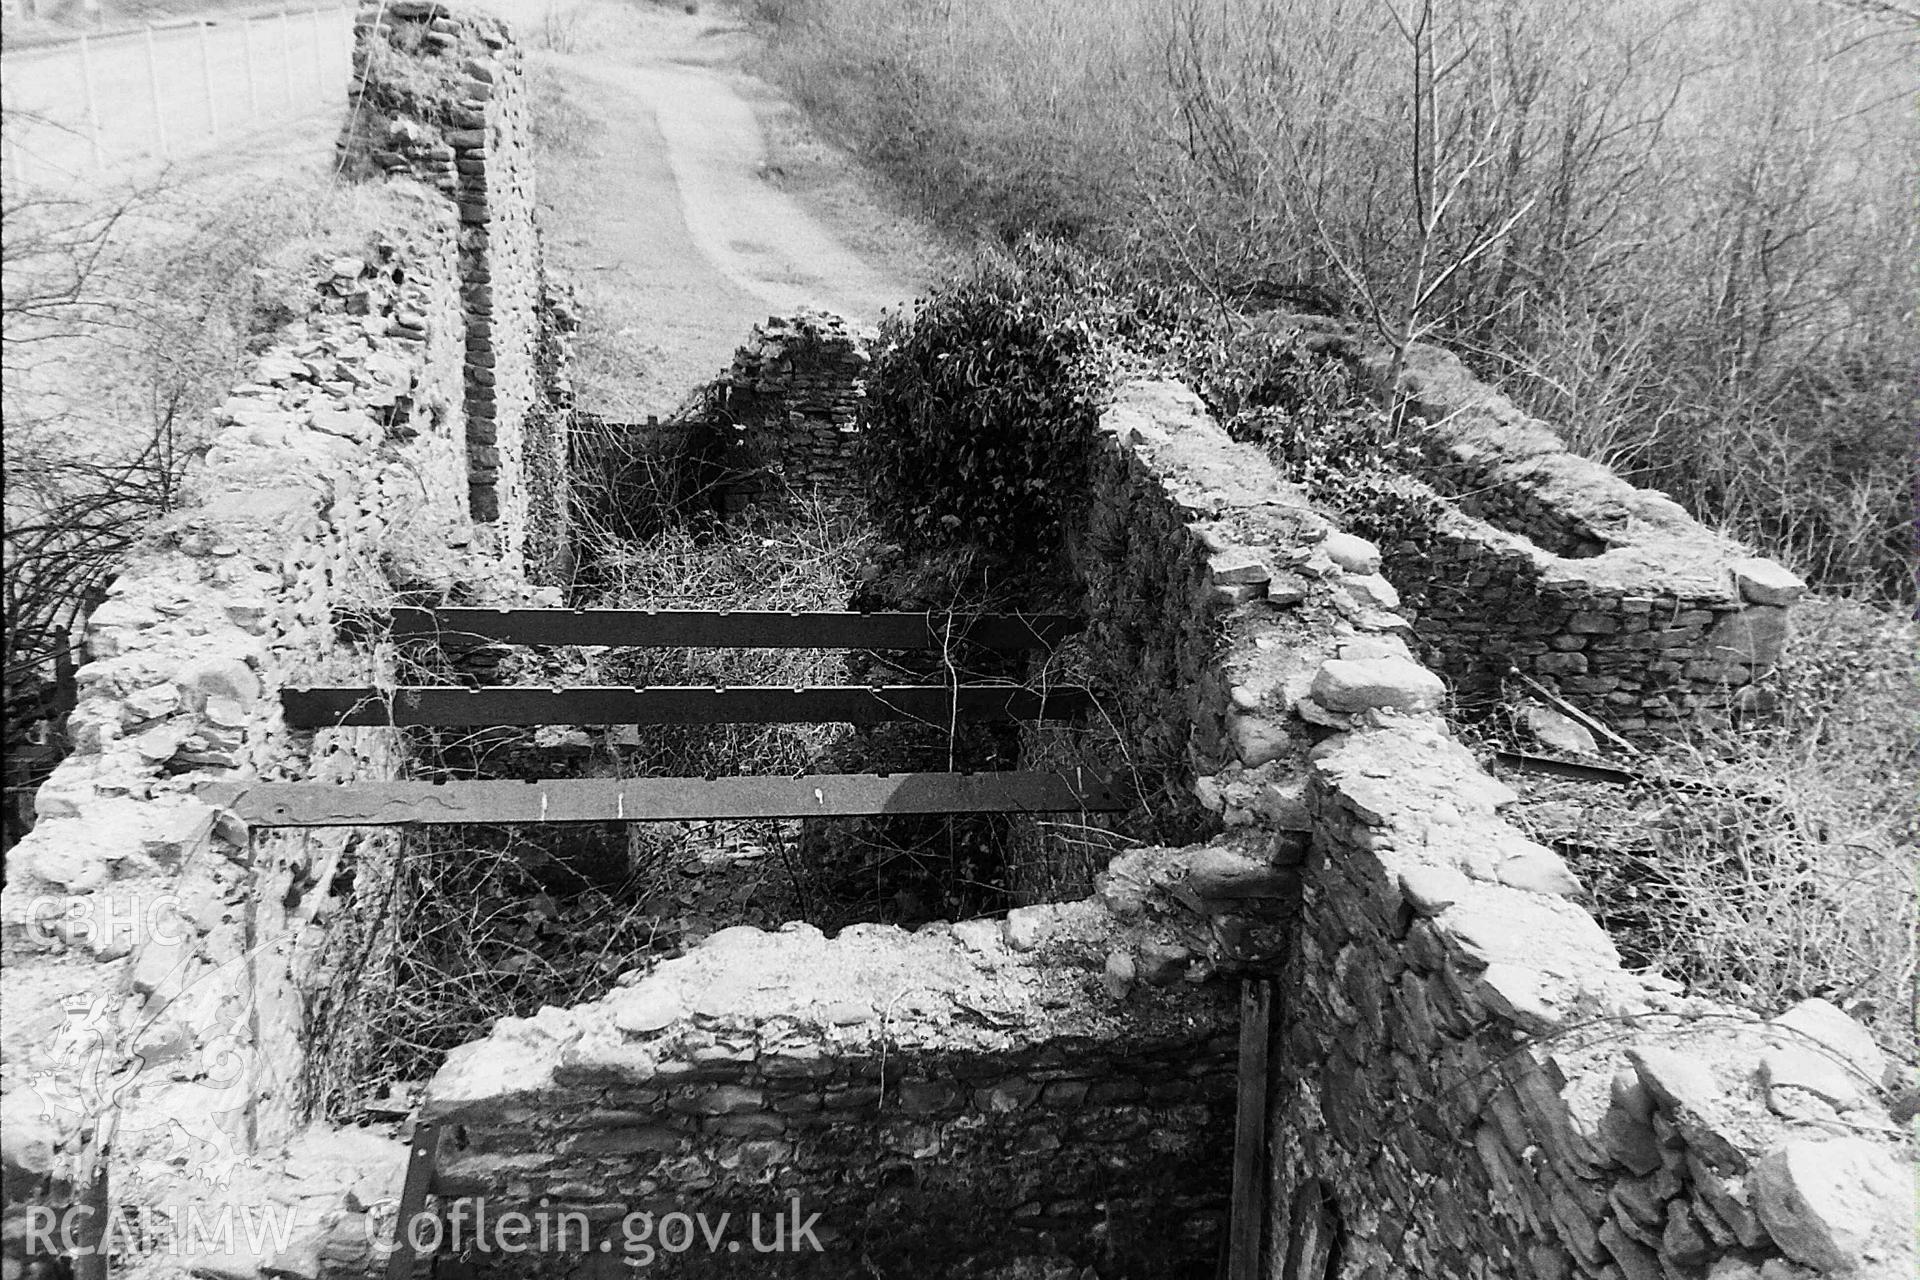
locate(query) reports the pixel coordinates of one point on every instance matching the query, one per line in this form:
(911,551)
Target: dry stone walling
(1463,1079)
(1512,554)
(166,968)
(779,423)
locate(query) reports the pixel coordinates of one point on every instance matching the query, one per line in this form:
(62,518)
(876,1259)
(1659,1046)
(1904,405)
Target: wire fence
(115,105)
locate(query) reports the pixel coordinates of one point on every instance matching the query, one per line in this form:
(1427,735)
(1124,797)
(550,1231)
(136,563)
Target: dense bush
(981,406)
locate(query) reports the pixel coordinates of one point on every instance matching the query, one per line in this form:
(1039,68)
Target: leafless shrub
(559,29)
(126,318)
(805,562)
(1677,232)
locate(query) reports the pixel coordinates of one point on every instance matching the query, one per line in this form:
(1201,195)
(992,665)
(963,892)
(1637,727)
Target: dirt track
(666,207)
(684,198)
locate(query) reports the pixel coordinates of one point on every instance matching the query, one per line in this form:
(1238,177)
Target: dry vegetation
(128,315)
(1777,865)
(806,562)
(1683,233)
(493,921)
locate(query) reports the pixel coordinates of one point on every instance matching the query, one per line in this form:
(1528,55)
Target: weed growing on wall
(1268,387)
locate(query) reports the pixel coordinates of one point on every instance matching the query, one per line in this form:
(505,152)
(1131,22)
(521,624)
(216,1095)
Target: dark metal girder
(745,629)
(318,708)
(322,804)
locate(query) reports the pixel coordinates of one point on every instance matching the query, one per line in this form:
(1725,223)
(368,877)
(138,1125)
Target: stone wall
(1213,592)
(439,94)
(1513,554)
(1468,1084)
(1465,1081)
(159,957)
(167,968)
(778,424)
(959,1101)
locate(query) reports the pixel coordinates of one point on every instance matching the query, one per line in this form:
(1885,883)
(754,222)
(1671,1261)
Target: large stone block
(1826,1202)
(1394,684)
(1755,636)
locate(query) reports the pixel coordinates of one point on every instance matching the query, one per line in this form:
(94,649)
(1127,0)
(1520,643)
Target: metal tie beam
(706,629)
(571,800)
(318,708)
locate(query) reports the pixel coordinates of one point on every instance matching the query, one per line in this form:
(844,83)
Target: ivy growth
(1307,409)
(982,402)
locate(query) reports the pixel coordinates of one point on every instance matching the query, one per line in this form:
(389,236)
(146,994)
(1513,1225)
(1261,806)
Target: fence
(131,101)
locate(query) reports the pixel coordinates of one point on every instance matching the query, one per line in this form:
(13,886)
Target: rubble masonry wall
(162,959)
(440,94)
(947,1101)
(406,436)
(1463,1079)
(1511,552)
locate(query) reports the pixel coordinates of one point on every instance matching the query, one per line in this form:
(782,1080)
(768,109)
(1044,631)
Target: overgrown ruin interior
(1310,1004)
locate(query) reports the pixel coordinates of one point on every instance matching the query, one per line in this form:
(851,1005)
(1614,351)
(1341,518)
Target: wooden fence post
(423,1155)
(206,79)
(86,90)
(286,51)
(15,159)
(1247,1226)
(246,45)
(319,62)
(153,82)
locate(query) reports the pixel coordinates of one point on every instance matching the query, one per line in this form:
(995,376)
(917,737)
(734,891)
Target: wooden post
(1248,1224)
(86,90)
(422,1155)
(319,63)
(286,52)
(90,1260)
(206,79)
(246,45)
(153,83)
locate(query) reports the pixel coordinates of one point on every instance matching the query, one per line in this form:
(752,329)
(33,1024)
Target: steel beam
(745,629)
(322,804)
(318,708)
